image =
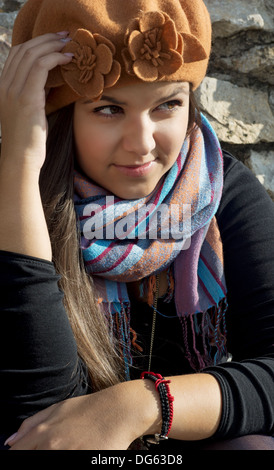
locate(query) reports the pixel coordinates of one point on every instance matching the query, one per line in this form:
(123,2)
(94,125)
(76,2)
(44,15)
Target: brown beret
(118,42)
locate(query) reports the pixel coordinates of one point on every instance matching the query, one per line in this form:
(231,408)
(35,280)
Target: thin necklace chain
(153,321)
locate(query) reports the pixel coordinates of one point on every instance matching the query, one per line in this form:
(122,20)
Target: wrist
(162,386)
(150,407)
(141,403)
(25,230)
(16,167)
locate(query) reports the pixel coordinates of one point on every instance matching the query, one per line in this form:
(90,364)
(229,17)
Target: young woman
(130,242)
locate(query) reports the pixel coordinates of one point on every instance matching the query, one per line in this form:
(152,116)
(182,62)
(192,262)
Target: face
(128,140)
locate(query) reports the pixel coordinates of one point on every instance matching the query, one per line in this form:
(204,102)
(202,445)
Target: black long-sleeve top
(39,364)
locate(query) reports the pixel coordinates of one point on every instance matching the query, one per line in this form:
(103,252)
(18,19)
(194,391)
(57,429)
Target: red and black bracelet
(161,385)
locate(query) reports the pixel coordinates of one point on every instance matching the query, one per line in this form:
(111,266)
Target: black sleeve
(246,222)
(39,364)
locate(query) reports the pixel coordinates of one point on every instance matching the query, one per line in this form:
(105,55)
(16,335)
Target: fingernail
(69,54)
(10,439)
(63,33)
(65,39)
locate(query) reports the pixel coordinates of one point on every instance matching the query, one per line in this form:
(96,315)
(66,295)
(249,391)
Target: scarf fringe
(204,336)
(118,317)
(147,287)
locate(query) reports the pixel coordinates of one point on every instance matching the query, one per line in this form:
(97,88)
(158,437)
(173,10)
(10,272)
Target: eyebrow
(106,98)
(175,92)
(112,100)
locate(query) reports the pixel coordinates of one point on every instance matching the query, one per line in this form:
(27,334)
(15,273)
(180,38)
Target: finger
(21,48)
(29,424)
(17,52)
(25,442)
(23,63)
(37,78)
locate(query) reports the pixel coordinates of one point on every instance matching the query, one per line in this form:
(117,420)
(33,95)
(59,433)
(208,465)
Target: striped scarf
(174,229)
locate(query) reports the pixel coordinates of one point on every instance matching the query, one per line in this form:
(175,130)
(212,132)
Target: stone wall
(238,93)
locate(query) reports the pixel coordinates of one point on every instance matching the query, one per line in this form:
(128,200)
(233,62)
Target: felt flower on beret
(93,67)
(154,48)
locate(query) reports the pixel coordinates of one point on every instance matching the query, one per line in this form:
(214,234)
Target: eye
(108,111)
(169,105)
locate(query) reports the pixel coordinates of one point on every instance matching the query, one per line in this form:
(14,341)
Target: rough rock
(234,16)
(5,40)
(256,62)
(7,19)
(261,163)
(239,115)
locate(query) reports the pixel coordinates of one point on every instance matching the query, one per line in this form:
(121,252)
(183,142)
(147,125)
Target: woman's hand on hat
(23,97)
(24,134)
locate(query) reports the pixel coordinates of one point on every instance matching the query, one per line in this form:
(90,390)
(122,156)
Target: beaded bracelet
(166,399)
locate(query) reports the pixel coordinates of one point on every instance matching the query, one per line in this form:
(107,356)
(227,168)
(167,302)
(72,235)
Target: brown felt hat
(119,42)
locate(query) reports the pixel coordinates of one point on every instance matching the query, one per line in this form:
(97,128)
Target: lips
(136,170)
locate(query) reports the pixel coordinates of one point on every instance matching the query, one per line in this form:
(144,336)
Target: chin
(133,193)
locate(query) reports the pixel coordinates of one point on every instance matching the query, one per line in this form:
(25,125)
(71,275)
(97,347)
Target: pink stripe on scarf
(119,261)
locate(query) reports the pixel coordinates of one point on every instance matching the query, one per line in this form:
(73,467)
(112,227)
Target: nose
(138,136)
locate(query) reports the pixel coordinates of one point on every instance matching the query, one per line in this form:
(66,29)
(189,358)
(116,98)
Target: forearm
(24,134)
(227,401)
(197,406)
(122,413)
(23,228)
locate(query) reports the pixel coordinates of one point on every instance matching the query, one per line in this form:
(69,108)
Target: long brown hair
(57,192)
(87,320)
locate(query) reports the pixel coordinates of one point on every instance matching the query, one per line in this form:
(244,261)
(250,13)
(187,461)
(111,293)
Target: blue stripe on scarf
(210,282)
(97,249)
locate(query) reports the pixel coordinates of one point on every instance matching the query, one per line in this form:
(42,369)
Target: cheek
(173,136)
(179,134)
(173,144)
(88,144)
